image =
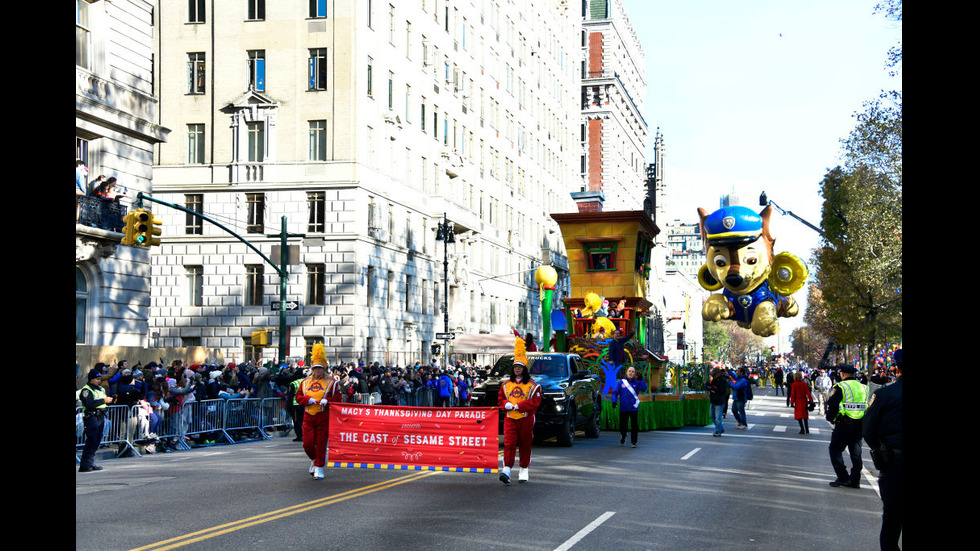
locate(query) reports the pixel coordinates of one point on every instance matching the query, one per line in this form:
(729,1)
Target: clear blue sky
(755,96)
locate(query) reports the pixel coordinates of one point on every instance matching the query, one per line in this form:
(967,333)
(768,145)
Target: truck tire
(566,432)
(593,428)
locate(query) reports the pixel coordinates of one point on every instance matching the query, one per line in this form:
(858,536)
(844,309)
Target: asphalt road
(761,488)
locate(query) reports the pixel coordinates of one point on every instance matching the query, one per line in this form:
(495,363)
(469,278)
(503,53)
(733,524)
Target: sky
(752,96)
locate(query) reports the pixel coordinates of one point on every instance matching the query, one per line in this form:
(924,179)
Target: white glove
(509,406)
(312,402)
(323,402)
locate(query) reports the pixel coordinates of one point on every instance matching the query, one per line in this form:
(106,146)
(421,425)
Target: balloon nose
(733,280)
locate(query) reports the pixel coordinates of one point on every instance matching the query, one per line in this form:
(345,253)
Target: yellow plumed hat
(520,352)
(319,356)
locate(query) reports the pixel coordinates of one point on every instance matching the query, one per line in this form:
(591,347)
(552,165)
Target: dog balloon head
(739,255)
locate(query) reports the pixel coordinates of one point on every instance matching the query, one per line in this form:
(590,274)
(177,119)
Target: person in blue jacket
(445,390)
(627,395)
(739,383)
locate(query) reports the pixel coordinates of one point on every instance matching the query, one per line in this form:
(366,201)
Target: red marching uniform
(316,420)
(519,422)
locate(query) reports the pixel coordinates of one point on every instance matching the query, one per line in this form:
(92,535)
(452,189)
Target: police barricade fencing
(211,421)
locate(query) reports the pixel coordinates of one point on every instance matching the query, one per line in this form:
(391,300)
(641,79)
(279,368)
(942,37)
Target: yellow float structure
(609,262)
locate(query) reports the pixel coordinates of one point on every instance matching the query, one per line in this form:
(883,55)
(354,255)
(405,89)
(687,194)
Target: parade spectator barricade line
(221,421)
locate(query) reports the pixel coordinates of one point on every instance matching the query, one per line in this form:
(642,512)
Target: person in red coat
(315,394)
(800,398)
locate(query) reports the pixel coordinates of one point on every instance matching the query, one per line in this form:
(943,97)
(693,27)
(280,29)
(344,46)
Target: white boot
(318,473)
(312,468)
(505,475)
(522,478)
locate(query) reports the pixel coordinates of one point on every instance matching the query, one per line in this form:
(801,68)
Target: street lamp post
(445,234)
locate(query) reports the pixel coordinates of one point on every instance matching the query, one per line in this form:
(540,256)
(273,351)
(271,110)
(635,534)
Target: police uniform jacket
(883,418)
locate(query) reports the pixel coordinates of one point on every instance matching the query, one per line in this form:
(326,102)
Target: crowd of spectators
(164,392)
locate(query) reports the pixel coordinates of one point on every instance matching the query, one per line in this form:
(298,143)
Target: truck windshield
(549,365)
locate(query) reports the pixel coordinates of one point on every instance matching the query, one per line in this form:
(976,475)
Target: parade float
(609,261)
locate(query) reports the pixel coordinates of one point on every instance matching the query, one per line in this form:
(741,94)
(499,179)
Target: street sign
(290,305)
(445,336)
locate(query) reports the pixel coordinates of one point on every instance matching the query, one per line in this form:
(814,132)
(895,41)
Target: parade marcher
(845,410)
(94,406)
(626,394)
(883,433)
(316,392)
(520,398)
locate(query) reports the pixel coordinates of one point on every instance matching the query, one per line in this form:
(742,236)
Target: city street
(761,488)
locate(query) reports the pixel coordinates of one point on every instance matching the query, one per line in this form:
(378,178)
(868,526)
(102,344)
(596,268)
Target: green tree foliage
(856,297)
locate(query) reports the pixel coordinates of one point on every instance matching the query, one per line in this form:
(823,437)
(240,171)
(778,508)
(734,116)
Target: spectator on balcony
(106,190)
(81,185)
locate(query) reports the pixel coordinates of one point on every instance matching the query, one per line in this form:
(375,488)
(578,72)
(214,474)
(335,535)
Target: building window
(318,140)
(195,11)
(255,203)
(194,278)
(256,141)
(194,225)
(81,305)
(253,284)
(318,69)
(256,10)
(316,200)
(372,286)
(195,144)
(315,284)
(256,70)
(195,73)
(83,35)
(391,90)
(370,76)
(318,8)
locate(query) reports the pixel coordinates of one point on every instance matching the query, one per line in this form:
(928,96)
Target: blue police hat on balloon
(732,226)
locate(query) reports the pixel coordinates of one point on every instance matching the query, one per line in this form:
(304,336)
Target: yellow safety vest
(854,398)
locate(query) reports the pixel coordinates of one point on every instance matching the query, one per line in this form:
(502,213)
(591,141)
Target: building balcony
(98,213)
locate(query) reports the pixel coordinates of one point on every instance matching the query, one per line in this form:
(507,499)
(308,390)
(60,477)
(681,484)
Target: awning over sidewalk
(484,343)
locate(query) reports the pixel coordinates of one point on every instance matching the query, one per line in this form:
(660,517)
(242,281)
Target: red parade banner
(413,438)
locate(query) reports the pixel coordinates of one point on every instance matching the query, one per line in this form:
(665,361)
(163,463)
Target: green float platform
(663,412)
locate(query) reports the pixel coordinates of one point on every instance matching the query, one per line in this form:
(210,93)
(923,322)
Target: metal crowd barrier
(219,420)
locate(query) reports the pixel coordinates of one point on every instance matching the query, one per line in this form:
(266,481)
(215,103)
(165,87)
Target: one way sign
(290,305)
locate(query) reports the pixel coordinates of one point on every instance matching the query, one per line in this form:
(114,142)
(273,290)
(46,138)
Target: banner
(413,438)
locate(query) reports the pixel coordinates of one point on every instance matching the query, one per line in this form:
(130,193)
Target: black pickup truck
(572,394)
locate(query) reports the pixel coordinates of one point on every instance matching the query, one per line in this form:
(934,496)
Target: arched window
(81,305)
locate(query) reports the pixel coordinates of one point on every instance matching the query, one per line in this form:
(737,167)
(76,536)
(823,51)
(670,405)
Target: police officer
(845,410)
(883,433)
(94,406)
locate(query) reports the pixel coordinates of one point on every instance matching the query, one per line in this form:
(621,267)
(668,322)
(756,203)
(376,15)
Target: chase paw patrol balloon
(756,284)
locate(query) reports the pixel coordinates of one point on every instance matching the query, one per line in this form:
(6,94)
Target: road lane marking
(585,531)
(222,529)
(692,452)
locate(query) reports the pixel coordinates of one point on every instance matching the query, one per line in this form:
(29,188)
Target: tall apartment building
(685,248)
(115,131)
(613,133)
(362,124)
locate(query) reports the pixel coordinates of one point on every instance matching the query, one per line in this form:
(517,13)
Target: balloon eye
(721,261)
(752,260)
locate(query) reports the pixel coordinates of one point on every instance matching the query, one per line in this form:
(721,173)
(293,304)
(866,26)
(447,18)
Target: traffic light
(129,229)
(147,228)
(436,348)
(260,338)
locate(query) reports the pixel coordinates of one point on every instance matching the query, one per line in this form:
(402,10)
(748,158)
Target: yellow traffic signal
(147,229)
(129,229)
(260,338)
